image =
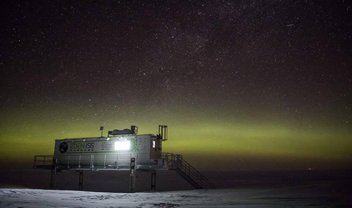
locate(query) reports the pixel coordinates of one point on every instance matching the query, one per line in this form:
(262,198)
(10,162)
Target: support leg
(132,181)
(132,184)
(52,175)
(80,180)
(153,181)
(52,179)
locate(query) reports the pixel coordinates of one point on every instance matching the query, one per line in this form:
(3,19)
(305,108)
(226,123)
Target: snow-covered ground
(301,196)
(28,188)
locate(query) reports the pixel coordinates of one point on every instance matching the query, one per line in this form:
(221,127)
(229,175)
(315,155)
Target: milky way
(253,84)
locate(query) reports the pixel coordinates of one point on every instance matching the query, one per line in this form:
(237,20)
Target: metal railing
(81,162)
(186,170)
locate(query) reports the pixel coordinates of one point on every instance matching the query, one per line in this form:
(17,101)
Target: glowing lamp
(122,145)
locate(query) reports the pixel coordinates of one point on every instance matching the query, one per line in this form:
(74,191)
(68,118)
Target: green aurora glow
(202,137)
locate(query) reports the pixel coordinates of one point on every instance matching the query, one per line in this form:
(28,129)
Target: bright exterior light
(122,145)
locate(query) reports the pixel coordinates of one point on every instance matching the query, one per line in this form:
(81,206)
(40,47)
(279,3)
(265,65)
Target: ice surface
(245,197)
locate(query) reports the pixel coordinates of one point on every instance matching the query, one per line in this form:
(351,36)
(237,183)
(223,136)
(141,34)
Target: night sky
(241,84)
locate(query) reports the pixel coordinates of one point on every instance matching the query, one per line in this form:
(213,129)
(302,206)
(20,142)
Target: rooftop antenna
(101,130)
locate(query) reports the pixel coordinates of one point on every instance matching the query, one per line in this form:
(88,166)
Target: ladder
(186,171)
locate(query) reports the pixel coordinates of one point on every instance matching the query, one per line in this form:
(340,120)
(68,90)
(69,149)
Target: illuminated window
(122,145)
(153,144)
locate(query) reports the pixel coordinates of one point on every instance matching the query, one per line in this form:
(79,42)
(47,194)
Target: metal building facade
(112,152)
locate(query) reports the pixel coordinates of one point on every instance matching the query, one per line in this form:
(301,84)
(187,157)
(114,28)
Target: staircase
(186,170)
